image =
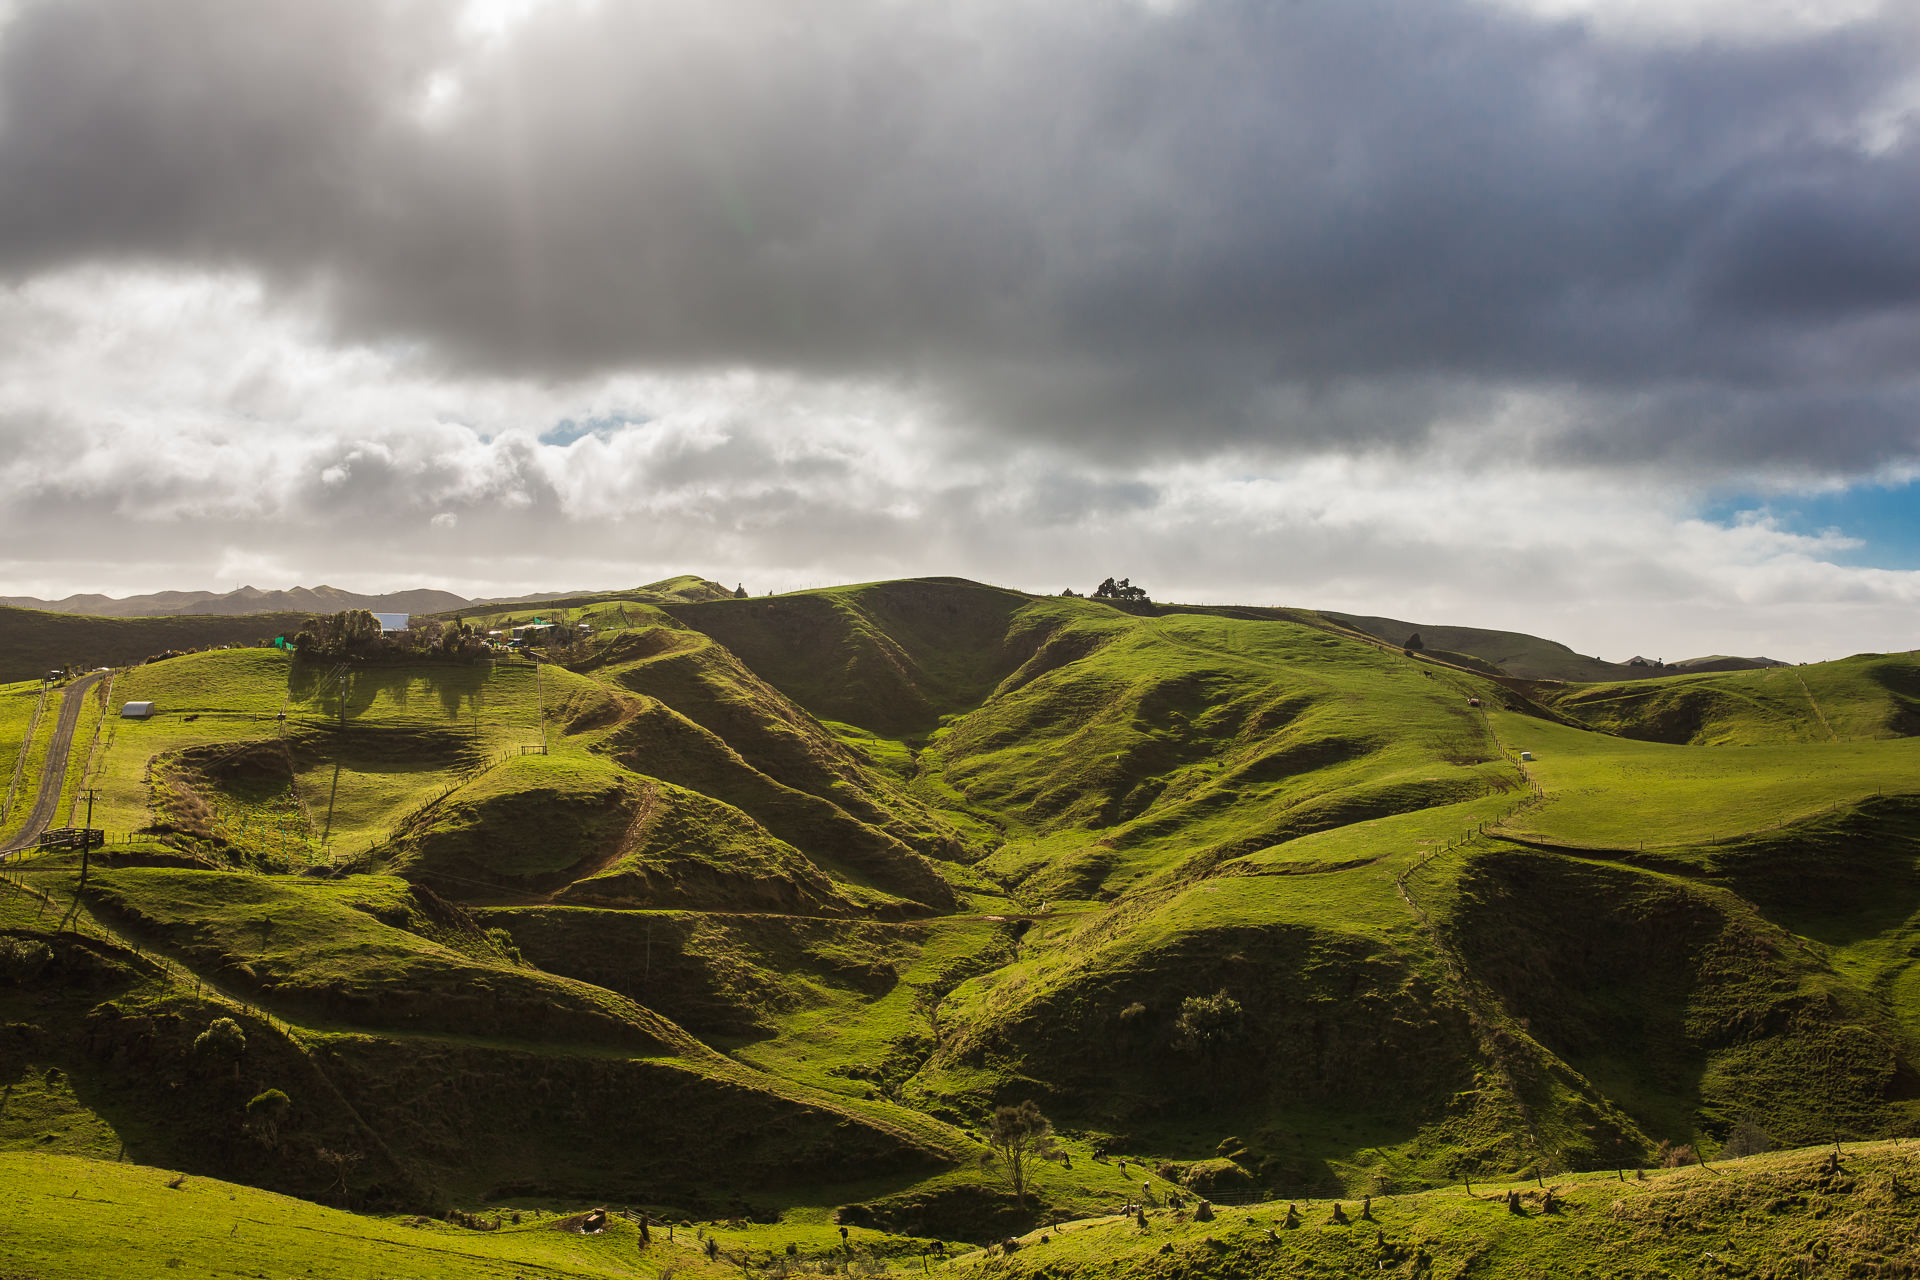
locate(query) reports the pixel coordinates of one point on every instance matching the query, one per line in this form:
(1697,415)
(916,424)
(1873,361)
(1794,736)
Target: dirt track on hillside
(53,777)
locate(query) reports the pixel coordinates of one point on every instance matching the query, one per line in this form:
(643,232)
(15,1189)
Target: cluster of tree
(355,633)
(1121,590)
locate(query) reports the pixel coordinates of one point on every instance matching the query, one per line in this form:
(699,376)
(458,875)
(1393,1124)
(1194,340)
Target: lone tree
(265,1114)
(341,1162)
(1414,642)
(739,591)
(1208,1024)
(1746,1139)
(222,1043)
(1019,1136)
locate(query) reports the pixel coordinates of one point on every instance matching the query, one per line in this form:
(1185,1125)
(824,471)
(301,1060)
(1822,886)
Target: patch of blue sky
(1885,519)
(568,430)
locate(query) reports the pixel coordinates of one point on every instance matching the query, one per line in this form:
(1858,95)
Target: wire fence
(460,780)
(26,745)
(93,745)
(78,923)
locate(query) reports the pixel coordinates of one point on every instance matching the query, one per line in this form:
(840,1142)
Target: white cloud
(1693,20)
(1423,308)
(780,480)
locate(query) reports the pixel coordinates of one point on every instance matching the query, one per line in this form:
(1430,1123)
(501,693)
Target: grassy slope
(1770,1215)
(209,1228)
(407,733)
(690,713)
(606,612)
(1514,652)
(1863,697)
(83,757)
(1221,801)
(402,1011)
(532,821)
(364,951)
(32,642)
(17,703)
(1186,732)
(1686,795)
(1780,1213)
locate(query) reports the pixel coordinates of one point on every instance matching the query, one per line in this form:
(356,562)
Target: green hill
(1866,696)
(1529,657)
(32,642)
(757,908)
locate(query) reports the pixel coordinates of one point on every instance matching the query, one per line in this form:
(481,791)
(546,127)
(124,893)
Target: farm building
(136,711)
(392,622)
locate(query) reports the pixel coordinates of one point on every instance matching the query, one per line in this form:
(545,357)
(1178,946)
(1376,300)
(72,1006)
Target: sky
(1598,319)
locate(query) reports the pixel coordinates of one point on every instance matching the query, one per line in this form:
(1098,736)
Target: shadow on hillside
(1678,1005)
(325,686)
(1838,879)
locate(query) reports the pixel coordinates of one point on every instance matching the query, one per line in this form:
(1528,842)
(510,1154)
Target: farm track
(53,775)
(1814,703)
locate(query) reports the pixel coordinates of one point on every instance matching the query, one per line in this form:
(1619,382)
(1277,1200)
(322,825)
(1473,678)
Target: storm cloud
(1124,227)
(1470,307)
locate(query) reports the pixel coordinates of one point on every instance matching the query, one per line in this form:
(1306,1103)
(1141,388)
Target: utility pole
(86,834)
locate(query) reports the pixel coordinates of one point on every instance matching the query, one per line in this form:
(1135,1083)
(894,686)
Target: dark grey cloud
(1236,223)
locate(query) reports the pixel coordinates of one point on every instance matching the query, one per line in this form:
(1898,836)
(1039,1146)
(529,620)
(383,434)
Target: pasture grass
(17,705)
(1867,696)
(365,744)
(363,951)
(71,1218)
(1618,793)
(1772,1214)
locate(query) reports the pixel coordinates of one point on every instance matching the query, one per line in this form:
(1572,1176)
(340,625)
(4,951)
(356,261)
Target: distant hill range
(245,600)
(324,599)
(1494,652)
(95,630)
(1530,657)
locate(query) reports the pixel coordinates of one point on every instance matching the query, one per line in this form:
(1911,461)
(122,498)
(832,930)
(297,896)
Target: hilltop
(758,908)
(243,600)
(90,631)
(1515,653)
(32,642)
(322,599)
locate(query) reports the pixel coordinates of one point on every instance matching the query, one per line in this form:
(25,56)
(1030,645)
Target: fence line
(26,745)
(93,747)
(165,966)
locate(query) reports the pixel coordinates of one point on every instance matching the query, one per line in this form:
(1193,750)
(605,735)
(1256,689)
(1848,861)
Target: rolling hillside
(33,642)
(1529,657)
(243,600)
(759,907)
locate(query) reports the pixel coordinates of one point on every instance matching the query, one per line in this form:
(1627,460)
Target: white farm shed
(392,622)
(136,711)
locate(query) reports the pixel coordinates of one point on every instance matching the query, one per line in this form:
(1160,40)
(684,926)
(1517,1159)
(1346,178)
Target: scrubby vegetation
(937,912)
